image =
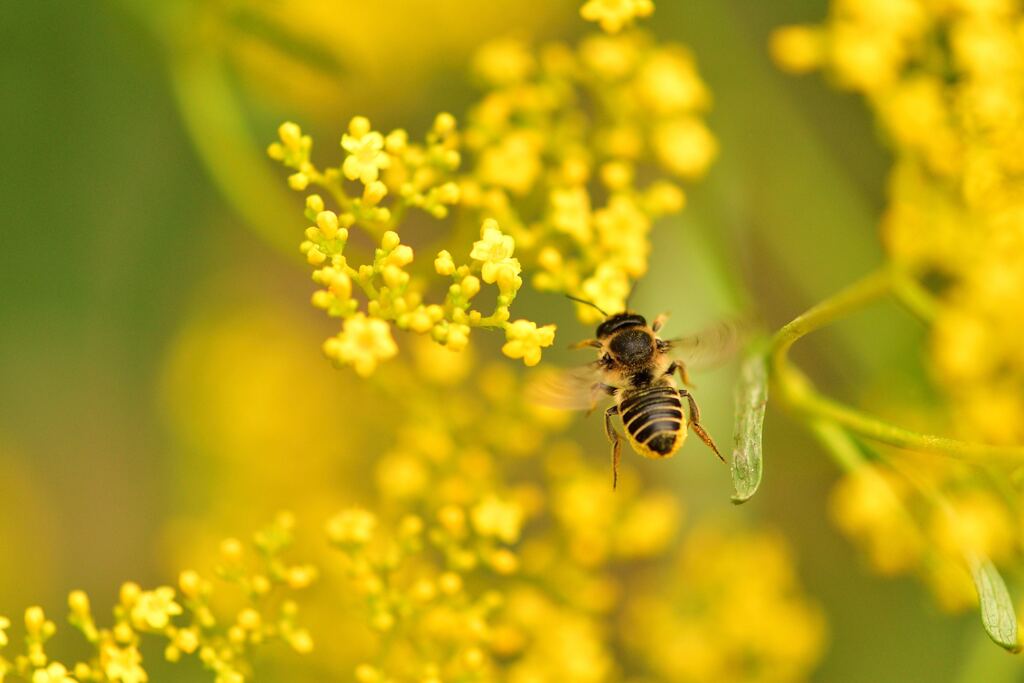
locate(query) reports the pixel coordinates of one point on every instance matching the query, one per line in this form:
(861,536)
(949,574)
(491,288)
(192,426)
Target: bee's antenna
(588,303)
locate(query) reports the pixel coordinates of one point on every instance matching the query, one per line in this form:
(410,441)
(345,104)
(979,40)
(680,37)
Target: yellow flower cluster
(945,78)
(779,631)
(395,176)
(479,541)
(183,620)
(547,164)
(530,138)
(903,533)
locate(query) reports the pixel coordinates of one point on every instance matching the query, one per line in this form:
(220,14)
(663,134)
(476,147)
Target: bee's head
(627,338)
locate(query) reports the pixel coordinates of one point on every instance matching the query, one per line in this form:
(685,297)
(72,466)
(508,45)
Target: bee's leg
(684,375)
(695,423)
(659,322)
(585,343)
(613,436)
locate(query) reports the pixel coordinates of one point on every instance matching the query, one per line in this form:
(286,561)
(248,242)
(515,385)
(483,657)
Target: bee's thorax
(633,346)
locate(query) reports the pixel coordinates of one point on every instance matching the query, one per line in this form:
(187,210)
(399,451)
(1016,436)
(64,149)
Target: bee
(638,370)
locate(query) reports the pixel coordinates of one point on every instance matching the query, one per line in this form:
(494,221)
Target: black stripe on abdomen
(653,417)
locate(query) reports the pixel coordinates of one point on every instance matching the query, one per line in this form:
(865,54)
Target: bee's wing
(567,389)
(710,347)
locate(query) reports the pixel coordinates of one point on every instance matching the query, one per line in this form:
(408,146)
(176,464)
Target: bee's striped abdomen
(653,418)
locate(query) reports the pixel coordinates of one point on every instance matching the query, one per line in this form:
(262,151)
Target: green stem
(797,391)
(914,297)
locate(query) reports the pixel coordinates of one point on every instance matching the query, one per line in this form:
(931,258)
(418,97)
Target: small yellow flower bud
(402,255)
(550,259)
(665,197)
(443,264)
(473,657)
(321,299)
(341,285)
(123,633)
(315,257)
(130,592)
(453,519)
(275,151)
(419,321)
(424,590)
(383,621)
(327,221)
(315,203)
(290,133)
(300,577)
(450,583)
(231,550)
(396,141)
(470,286)
(354,526)
(448,193)
(444,123)
(797,49)
(390,240)
(504,561)
(331,347)
(187,640)
(35,618)
(78,603)
(249,619)
(616,174)
(236,634)
(394,276)
(359,126)
(458,337)
(298,181)
(190,583)
(374,192)
(367,674)
(302,642)
(260,584)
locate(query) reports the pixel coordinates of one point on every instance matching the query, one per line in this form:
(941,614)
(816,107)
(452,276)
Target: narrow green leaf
(997,613)
(751,398)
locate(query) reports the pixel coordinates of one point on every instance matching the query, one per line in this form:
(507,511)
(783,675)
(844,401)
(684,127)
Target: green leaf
(997,613)
(751,398)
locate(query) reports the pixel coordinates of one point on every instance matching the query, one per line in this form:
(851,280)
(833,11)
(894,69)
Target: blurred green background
(137,201)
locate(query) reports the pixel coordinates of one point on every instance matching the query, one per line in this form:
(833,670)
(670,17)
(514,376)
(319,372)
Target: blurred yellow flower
(154,609)
(123,664)
(363,343)
(56,673)
(352,527)
(613,15)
